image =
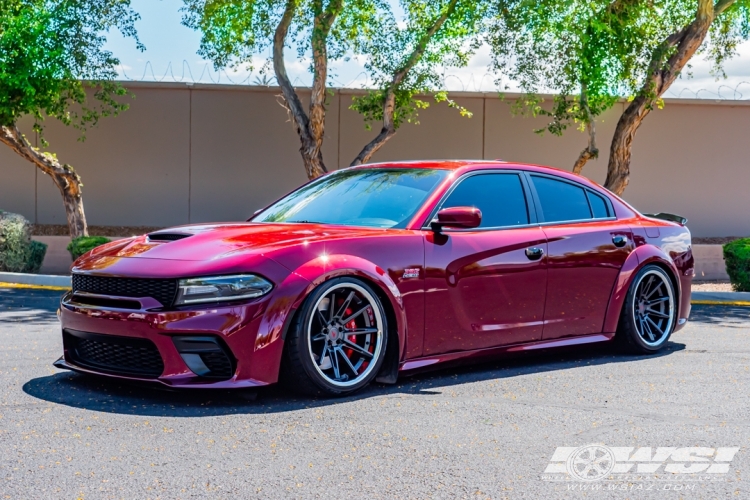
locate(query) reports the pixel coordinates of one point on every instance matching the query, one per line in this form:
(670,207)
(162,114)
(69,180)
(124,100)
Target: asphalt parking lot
(486,431)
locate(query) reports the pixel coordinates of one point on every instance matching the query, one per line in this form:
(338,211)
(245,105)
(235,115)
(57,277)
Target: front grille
(219,364)
(163,290)
(112,354)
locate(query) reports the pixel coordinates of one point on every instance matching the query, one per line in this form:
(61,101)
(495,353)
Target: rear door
(587,246)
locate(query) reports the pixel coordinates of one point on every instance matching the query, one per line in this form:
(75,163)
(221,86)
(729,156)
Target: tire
(649,314)
(335,351)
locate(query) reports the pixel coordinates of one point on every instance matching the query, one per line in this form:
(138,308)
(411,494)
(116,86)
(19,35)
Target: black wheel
(648,315)
(338,340)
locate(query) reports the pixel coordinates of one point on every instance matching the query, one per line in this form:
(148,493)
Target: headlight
(221,288)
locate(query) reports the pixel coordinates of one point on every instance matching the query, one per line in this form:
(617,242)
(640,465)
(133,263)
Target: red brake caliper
(351,338)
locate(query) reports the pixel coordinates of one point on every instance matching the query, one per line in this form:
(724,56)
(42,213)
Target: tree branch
(290,96)
(389,104)
(65,178)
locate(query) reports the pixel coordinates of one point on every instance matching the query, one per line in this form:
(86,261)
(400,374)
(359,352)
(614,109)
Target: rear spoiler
(679,219)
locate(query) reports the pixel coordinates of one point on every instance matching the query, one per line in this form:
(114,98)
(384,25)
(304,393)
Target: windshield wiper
(305,222)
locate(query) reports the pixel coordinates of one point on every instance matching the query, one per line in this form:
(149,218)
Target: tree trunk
(682,45)
(63,175)
(591,151)
(310,129)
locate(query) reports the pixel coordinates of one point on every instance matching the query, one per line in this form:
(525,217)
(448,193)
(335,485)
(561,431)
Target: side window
(561,201)
(500,197)
(598,206)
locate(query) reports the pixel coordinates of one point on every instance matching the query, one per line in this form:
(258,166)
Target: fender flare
(638,258)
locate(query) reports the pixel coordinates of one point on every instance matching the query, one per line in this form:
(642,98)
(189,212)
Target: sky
(171,55)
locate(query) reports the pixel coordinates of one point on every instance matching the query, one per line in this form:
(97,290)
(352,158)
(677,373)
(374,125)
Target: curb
(741,299)
(40,281)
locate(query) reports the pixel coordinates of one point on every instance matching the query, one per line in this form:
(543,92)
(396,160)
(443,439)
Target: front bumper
(245,330)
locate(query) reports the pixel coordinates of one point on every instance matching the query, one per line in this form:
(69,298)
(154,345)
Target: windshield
(377,197)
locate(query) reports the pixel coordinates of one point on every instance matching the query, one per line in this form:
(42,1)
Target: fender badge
(411,273)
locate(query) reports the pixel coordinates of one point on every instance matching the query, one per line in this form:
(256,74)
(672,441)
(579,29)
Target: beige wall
(209,153)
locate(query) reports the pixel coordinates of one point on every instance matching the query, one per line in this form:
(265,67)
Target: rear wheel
(648,316)
(337,343)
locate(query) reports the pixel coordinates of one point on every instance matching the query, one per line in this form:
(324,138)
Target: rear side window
(598,206)
(561,201)
(500,197)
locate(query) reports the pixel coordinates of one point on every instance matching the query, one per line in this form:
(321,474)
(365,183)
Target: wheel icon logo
(591,463)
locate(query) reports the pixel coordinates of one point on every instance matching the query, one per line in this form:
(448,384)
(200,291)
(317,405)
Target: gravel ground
(712,287)
(486,431)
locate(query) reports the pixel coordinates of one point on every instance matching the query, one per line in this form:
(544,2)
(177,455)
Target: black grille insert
(206,356)
(113,354)
(163,290)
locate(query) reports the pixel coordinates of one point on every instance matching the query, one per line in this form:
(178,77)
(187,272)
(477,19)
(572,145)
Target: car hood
(215,241)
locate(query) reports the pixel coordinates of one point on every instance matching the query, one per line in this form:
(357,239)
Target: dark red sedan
(380,269)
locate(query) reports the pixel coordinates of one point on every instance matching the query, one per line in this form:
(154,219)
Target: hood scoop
(167,236)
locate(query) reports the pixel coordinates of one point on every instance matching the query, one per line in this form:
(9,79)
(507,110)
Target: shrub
(737,259)
(18,254)
(36,256)
(83,244)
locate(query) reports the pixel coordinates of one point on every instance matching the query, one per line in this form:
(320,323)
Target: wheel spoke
(319,336)
(656,301)
(358,349)
(345,305)
(348,362)
(645,328)
(361,331)
(323,321)
(649,320)
(335,364)
(323,354)
(355,315)
(331,306)
(654,290)
(647,287)
(658,314)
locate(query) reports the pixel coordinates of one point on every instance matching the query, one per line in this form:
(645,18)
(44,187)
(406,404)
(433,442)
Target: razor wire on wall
(465,82)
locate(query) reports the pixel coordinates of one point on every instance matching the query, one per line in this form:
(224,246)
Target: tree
(727,21)
(403,61)
(593,53)
(407,61)
(51,53)
(235,32)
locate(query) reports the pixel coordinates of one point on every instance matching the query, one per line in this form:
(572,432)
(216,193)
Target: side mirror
(457,217)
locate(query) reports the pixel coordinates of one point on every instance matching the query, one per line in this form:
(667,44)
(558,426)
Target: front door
(586,247)
(486,287)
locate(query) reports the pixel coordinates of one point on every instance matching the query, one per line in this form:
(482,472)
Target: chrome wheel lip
(671,308)
(379,336)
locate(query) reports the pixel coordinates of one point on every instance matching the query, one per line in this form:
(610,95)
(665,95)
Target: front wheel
(338,340)
(648,315)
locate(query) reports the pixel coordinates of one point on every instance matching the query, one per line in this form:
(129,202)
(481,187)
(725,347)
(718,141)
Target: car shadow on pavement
(28,305)
(113,396)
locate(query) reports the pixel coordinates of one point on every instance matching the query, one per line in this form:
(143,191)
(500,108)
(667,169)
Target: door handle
(534,253)
(620,241)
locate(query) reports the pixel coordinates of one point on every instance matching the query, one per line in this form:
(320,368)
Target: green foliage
(80,246)
(51,50)
(737,259)
(393,44)
(37,251)
(18,254)
(591,53)
(239,34)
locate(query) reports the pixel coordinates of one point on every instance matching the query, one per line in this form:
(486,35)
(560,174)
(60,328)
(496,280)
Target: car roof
(468,165)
